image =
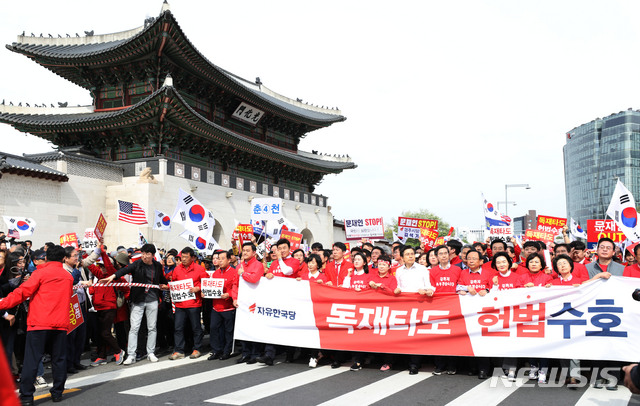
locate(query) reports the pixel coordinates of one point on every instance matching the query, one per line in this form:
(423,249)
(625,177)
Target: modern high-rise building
(595,156)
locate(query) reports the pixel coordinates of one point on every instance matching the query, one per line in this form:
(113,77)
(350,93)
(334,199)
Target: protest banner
(597,229)
(212,288)
(180,290)
(411,227)
(550,225)
(69,240)
(535,235)
(294,238)
(89,242)
(243,233)
(358,228)
(101,225)
(428,237)
(268,208)
(502,232)
(598,320)
(75,314)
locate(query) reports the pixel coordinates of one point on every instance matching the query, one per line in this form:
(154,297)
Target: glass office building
(596,154)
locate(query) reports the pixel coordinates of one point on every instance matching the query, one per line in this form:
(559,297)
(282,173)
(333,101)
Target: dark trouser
(122,333)
(36,342)
(106,340)
(181,316)
(445,362)
(75,341)
(8,339)
(219,321)
(250,349)
(207,309)
(270,350)
(165,325)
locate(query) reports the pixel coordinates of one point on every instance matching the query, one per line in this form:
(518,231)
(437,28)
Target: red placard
(101,225)
(75,314)
(551,225)
(417,223)
(535,235)
(243,232)
(428,237)
(597,229)
(294,238)
(69,240)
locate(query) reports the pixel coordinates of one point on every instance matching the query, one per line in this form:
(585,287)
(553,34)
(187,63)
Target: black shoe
(335,364)
(482,375)
(266,360)
(413,370)
(242,360)
(289,359)
(56,399)
(26,402)
(213,356)
(225,356)
(80,367)
(252,361)
(72,371)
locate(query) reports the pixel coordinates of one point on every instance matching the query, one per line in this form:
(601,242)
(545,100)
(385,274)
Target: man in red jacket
(251,271)
(50,290)
(338,269)
(186,270)
(284,265)
(223,314)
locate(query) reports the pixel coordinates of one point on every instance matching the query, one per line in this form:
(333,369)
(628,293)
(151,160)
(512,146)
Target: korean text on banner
(69,240)
(594,321)
(89,242)
(551,225)
(358,228)
(212,288)
(75,314)
(294,238)
(502,232)
(101,225)
(180,290)
(417,223)
(269,208)
(536,235)
(243,233)
(597,229)
(428,237)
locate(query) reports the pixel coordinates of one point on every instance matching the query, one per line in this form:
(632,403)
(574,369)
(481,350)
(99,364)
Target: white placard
(180,290)
(212,288)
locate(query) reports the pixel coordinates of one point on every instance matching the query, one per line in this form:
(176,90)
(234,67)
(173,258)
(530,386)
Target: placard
(551,225)
(294,238)
(501,232)
(243,232)
(180,291)
(75,314)
(69,240)
(90,242)
(212,288)
(101,225)
(269,208)
(597,229)
(535,235)
(358,228)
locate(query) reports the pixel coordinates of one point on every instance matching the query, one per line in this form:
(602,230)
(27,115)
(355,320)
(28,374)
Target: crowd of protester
(126,324)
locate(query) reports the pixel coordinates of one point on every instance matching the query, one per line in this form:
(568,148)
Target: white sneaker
(313,363)
(512,376)
(40,382)
(152,357)
(130,360)
(533,373)
(542,377)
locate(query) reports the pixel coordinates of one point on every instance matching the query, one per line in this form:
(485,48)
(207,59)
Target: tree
(443,226)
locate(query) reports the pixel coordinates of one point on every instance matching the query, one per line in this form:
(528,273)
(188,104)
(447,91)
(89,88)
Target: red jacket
(230,277)
(105,298)
(50,288)
(445,280)
(195,272)
(477,281)
(291,262)
(252,270)
(389,282)
(337,275)
(632,271)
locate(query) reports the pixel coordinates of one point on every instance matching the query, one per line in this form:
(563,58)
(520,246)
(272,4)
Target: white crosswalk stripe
(491,391)
(378,390)
(271,388)
(191,380)
(596,397)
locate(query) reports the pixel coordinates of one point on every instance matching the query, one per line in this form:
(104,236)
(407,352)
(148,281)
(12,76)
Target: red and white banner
(598,320)
(358,228)
(597,229)
(551,225)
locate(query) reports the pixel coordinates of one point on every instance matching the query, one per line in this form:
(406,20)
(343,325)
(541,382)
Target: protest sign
(597,229)
(101,225)
(69,240)
(212,288)
(551,225)
(358,228)
(294,238)
(180,290)
(75,314)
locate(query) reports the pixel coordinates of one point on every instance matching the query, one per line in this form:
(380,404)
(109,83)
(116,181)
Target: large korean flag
(193,215)
(24,226)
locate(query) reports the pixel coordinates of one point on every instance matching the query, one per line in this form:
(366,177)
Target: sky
(445,100)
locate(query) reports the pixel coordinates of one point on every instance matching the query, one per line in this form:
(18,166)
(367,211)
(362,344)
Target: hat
(38,255)
(122,258)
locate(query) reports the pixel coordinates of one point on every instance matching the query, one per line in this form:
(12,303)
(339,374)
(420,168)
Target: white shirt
(414,278)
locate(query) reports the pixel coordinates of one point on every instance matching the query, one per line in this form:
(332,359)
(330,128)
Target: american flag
(131,213)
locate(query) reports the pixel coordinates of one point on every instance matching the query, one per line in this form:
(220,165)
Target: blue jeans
(137,310)
(193,314)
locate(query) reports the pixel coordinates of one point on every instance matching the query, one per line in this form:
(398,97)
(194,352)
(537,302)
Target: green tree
(443,226)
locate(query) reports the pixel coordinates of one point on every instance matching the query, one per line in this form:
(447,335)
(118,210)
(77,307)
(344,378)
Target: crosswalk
(227,383)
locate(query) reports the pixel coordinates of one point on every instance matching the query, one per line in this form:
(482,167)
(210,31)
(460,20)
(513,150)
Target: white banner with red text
(598,320)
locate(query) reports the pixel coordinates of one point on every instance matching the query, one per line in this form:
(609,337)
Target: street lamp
(511,203)
(506,187)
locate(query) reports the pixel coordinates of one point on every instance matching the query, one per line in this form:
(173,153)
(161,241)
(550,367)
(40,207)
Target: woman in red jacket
(105,302)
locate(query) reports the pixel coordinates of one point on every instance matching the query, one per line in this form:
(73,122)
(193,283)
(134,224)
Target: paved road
(202,382)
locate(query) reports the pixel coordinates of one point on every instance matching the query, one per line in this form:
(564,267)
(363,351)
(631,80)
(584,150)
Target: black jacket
(136,270)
